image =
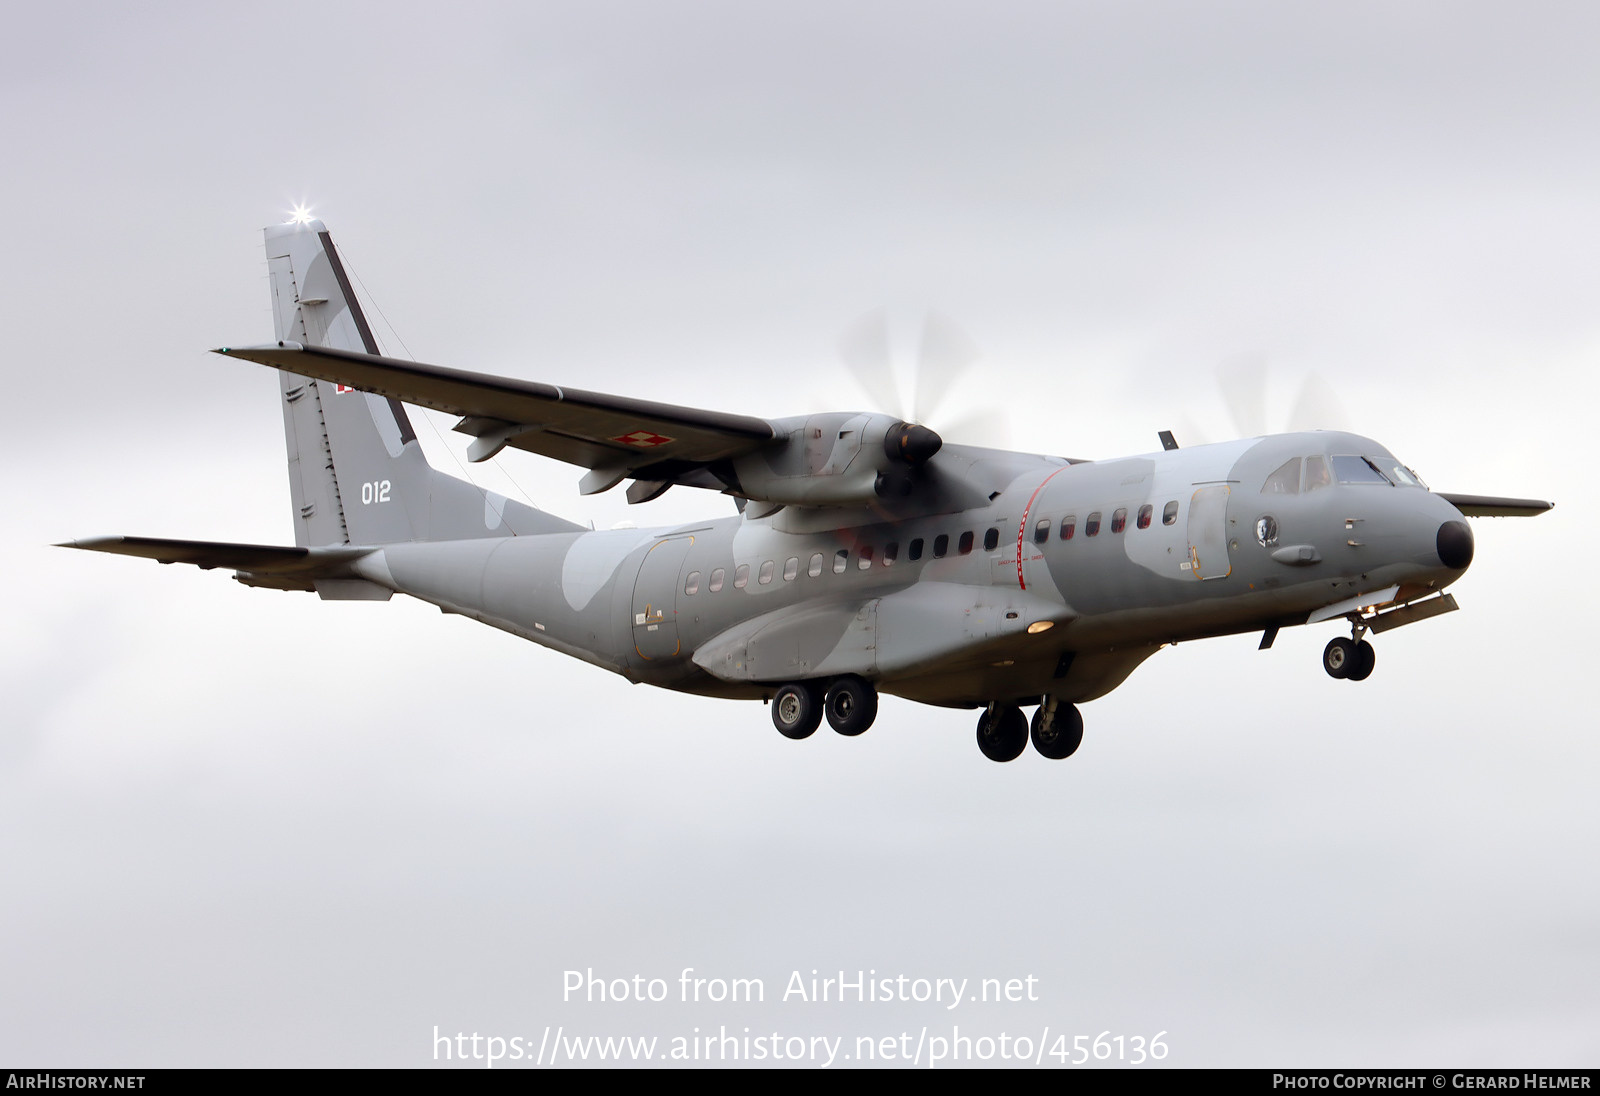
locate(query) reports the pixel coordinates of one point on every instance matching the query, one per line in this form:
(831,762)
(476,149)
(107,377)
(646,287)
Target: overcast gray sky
(249,828)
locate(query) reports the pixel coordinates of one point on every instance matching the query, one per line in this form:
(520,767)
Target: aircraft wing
(614,436)
(1489,506)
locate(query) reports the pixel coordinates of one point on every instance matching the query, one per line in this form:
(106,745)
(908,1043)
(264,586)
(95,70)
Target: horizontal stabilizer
(296,567)
(1489,506)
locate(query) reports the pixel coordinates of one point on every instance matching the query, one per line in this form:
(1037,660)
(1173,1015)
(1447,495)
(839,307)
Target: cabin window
(766,573)
(941,545)
(791,568)
(891,552)
(915,551)
(1069,525)
(1284,481)
(815,567)
(964,545)
(1119,519)
(840,559)
(1169,513)
(1091,525)
(1041,531)
(1145,513)
(741,577)
(991,539)
(691,585)
(1317,474)
(716,580)
(864,559)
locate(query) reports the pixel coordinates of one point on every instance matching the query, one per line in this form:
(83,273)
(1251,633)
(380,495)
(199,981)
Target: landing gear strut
(1002,732)
(1350,659)
(1057,730)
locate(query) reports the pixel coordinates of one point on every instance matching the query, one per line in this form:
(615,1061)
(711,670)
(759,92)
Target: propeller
(1243,385)
(945,354)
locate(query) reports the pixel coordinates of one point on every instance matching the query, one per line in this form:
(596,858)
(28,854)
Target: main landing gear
(1350,659)
(849,702)
(1056,730)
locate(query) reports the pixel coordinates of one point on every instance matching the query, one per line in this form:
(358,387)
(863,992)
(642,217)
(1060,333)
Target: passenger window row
(941,547)
(865,557)
(1091,525)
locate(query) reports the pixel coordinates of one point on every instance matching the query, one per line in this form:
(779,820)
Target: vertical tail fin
(356,472)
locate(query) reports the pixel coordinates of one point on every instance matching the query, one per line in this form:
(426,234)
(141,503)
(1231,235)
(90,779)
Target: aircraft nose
(1455,545)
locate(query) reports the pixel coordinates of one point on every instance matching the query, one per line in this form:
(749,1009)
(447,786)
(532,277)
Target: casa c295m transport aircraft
(865,555)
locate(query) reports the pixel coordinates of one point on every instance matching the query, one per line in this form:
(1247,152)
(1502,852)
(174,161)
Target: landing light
(1040,626)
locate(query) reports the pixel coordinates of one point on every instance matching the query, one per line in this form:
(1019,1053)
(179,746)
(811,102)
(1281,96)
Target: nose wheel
(1349,659)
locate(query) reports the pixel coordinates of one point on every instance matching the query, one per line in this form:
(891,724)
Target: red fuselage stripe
(1022,529)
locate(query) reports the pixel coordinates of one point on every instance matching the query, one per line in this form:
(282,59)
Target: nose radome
(1455,545)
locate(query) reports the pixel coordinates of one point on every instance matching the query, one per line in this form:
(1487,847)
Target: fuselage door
(1208,533)
(655,600)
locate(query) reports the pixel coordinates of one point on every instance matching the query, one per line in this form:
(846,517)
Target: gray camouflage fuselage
(866,556)
(953,630)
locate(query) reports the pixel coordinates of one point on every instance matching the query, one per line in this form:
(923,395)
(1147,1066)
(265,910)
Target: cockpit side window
(1284,481)
(1357,470)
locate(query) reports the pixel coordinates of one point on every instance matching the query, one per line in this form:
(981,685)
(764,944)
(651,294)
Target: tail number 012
(374,491)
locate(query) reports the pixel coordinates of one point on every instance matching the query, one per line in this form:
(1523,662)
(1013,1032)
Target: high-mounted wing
(1489,506)
(614,436)
(829,460)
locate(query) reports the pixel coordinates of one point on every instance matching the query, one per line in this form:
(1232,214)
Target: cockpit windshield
(1381,469)
(1300,474)
(1357,470)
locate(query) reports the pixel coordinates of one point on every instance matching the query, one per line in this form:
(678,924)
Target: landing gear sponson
(849,702)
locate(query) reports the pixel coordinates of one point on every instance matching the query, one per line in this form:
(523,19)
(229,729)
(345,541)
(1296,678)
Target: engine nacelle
(838,459)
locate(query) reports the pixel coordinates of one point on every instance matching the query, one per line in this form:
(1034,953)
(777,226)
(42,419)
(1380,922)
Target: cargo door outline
(1208,533)
(655,600)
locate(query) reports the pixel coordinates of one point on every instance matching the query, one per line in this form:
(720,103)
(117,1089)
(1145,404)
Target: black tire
(1064,736)
(851,705)
(796,711)
(1363,662)
(1003,736)
(1339,657)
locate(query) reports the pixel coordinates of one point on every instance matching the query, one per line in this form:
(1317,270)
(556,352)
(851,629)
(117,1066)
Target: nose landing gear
(1350,659)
